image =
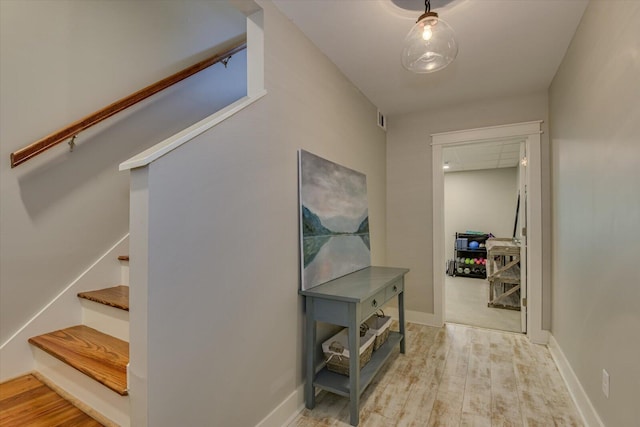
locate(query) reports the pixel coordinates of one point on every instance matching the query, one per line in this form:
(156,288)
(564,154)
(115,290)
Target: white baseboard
(419,317)
(285,412)
(63,311)
(583,403)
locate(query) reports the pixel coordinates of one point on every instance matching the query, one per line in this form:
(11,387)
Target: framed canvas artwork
(334,220)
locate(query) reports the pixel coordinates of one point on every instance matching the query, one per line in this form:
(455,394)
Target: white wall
(225,321)
(62,60)
(409,187)
(480,200)
(595,132)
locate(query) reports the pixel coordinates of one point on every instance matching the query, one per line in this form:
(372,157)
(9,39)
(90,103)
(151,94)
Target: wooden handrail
(22,155)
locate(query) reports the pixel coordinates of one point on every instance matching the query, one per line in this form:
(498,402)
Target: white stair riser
(109,320)
(124,273)
(88,391)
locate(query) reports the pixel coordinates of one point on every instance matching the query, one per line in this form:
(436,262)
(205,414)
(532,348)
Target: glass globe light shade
(430,45)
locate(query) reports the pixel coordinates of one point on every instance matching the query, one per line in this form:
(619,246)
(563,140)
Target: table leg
(310,344)
(354,367)
(354,364)
(401,321)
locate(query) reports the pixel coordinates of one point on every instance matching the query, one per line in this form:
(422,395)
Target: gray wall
(595,138)
(62,60)
(480,200)
(409,186)
(223,264)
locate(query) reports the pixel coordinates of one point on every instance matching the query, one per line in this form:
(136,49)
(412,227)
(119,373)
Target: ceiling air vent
(382,121)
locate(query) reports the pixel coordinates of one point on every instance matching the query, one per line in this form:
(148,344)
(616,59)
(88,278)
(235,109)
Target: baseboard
(63,311)
(583,403)
(286,411)
(419,317)
(539,336)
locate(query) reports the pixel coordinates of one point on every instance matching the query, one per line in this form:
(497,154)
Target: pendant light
(430,45)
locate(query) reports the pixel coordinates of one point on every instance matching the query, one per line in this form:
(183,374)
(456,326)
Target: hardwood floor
(25,401)
(457,376)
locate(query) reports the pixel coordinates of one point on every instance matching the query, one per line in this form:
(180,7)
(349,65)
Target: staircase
(89,362)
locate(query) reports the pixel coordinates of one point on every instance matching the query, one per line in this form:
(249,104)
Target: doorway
(529,132)
(482,199)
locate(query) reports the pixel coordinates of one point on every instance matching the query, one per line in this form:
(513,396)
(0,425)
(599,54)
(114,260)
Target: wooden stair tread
(99,356)
(27,401)
(117,296)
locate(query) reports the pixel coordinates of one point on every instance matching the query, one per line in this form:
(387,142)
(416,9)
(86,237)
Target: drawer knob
(395,288)
(374,303)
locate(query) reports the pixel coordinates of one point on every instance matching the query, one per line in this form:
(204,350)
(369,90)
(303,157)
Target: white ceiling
(486,155)
(506,47)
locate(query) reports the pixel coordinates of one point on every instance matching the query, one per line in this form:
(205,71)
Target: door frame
(529,132)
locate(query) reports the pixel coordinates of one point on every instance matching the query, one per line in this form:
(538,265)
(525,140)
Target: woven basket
(337,353)
(379,325)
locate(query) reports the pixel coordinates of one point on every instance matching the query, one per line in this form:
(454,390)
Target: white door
(521,233)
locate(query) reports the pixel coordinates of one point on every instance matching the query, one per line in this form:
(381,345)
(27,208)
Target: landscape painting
(334,220)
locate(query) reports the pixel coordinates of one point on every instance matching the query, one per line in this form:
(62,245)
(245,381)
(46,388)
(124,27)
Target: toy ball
(474,245)
(478,261)
(468,261)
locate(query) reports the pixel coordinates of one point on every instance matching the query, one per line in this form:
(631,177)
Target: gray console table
(349,301)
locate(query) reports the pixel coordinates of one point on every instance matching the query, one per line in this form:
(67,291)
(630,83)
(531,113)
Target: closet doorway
(531,293)
(482,200)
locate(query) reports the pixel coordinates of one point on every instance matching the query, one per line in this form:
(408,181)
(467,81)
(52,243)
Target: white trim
(583,403)
(286,411)
(151,154)
(439,257)
(487,133)
(529,132)
(255,55)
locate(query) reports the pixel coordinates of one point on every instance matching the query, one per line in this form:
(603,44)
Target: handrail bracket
(72,143)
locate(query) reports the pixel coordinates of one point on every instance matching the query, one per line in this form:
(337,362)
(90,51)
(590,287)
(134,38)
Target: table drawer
(394,289)
(369,306)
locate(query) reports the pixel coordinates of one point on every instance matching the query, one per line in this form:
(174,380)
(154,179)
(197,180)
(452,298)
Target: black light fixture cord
(427,5)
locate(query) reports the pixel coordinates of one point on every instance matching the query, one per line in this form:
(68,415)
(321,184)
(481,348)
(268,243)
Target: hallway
(458,376)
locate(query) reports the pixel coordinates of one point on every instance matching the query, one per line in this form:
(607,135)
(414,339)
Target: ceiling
(506,47)
(485,155)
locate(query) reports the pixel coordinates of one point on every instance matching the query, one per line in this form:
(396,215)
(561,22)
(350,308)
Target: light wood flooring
(457,376)
(26,401)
